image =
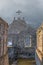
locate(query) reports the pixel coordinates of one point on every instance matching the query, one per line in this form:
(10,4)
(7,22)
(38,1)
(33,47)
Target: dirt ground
(26,62)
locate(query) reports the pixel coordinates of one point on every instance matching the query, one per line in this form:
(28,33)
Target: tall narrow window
(27,41)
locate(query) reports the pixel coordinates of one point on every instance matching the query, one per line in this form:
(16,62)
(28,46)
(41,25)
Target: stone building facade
(39,47)
(25,44)
(22,36)
(3,42)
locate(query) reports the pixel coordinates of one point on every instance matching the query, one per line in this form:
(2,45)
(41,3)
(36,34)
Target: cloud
(32,10)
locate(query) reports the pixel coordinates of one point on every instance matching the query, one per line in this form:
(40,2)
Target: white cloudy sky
(32,10)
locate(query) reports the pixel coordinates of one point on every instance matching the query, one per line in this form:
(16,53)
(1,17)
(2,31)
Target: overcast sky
(32,10)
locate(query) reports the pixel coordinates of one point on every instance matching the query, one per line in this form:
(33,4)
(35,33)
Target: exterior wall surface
(3,42)
(39,49)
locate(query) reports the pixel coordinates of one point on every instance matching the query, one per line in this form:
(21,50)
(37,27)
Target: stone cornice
(3,22)
(39,29)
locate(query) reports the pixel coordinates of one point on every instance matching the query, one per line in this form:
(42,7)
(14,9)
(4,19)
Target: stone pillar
(39,49)
(3,43)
